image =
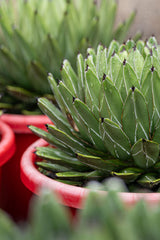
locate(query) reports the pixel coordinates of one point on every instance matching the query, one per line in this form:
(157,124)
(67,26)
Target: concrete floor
(147,18)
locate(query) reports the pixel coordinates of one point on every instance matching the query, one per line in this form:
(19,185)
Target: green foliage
(110,124)
(37,35)
(109,220)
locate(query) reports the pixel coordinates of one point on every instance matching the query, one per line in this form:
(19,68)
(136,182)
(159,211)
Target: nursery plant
(108,220)
(36,36)
(108,121)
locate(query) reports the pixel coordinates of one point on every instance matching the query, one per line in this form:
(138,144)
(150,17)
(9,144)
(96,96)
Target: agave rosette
(108,120)
(37,35)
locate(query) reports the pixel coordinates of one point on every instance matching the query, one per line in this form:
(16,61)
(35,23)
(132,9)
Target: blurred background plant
(37,35)
(103,217)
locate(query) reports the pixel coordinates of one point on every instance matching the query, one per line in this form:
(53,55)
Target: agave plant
(109,118)
(37,35)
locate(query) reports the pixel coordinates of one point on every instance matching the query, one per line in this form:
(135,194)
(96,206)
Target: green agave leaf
(102,164)
(91,123)
(54,114)
(50,139)
(152,42)
(77,176)
(81,77)
(70,78)
(129,79)
(116,70)
(71,142)
(21,94)
(91,52)
(113,100)
(140,46)
(61,158)
(128,174)
(54,87)
(101,61)
(115,140)
(37,72)
(93,87)
(135,119)
(52,167)
(130,44)
(112,49)
(149,180)
(145,153)
(136,60)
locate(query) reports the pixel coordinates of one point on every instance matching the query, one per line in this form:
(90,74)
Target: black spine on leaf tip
(73,99)
(86,68)
(104,77)
(151,52)
(134,48)
(102,120)
(124,62)
(152,69)
(46,125)
(113,54)
(61,67)
(36,12)
(143,140)
(133,88)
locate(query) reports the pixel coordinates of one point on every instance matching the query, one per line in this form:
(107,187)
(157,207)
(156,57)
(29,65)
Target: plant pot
(69,195)
(7,143)
(16,199)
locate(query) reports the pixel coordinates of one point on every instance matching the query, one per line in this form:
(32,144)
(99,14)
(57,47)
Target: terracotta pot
(15,200)
(69,195)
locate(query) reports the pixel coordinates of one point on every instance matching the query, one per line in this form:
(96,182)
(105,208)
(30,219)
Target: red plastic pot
(69,195)
(7,143)
(15,200)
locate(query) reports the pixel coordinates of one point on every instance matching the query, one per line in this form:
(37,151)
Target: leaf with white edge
(113,100)
(56,156)
(52,167)
(54,114)
(116,70)
(71,142)
(50,139)
(136,60)
(145,153)
(91,123)
(113,48)
(102,164)
(93,87)
(92,53)
(115,140)
(70,78)
(78,176)
(54,88)
(149,180)
(130,44)
(81,77)
(101,61)
(135,119)
(128,174)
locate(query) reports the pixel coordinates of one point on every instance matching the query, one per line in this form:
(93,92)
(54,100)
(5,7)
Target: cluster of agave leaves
(108,120)
(37,35)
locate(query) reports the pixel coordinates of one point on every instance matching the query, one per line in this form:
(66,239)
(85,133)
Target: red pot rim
(19,123)
(69,195)
(7,143)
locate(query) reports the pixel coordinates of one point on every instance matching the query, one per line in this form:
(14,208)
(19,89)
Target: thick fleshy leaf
(116,70)
(81,77)
(113,100)
(149,180)
(77,176)
(128,174)
(145,153)
(113,48)
(102,164)
(50,139)
(71,142)
(54,114)
(93,87)
(52,167)
(135,119)
(70,78)
(115,140)
(101,61)
(136,60)
(56,156)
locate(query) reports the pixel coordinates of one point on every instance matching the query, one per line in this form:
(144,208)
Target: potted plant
(108,125)
(108,220)
(53,30)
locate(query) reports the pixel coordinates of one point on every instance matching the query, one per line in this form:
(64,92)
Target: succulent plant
(37,35)
(107,221)
(109,118)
